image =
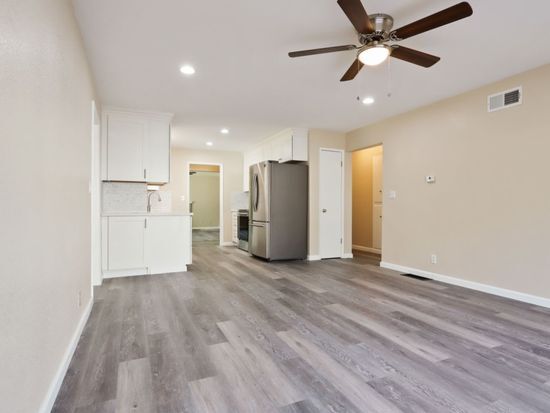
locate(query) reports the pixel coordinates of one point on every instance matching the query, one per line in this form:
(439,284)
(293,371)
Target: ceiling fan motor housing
(382,24)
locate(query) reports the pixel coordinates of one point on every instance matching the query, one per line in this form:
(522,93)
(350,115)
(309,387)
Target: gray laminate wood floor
(206,237)
(239,335)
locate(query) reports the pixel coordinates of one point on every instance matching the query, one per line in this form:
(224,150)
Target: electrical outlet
(79,299)
(434,259)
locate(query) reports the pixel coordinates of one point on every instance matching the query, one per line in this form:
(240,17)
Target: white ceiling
(246,82)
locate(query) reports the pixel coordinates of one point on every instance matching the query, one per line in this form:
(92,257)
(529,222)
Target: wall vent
(506,99)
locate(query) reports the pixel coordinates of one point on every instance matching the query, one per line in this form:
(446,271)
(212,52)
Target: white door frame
(220,165)
(342,197)
(95,198)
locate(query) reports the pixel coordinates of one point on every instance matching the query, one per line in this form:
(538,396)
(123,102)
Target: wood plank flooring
(235,334)
(202,237)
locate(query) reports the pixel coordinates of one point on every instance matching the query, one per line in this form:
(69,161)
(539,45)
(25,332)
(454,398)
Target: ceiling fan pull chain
(389,79)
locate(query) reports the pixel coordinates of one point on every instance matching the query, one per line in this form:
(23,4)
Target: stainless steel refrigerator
(278,211)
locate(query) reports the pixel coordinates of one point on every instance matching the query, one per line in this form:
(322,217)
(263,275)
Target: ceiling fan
(377,37)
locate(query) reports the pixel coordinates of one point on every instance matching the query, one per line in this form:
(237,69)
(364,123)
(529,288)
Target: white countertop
(146,214)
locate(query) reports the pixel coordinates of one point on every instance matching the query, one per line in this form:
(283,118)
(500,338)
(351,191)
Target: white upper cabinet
(125,141)
(136,146)
(288,145)
(158,151)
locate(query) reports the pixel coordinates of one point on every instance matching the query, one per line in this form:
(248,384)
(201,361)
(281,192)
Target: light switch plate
(392,194)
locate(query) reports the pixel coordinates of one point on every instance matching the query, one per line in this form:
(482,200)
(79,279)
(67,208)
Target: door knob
(324,210)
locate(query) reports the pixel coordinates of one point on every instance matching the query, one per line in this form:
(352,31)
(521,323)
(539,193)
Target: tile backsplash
(132,197)
(124,197)
(239,200)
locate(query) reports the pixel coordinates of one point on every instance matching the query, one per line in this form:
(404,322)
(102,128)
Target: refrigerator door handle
(256,192)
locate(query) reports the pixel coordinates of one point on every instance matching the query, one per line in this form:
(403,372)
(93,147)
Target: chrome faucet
(149,199)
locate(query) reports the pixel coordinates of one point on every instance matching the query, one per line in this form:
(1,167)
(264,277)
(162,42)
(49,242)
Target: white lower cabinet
(167,244)
(137,245)
(235,227)
(125,247)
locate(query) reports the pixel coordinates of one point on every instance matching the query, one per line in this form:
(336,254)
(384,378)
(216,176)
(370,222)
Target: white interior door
(377,197)
(330,203)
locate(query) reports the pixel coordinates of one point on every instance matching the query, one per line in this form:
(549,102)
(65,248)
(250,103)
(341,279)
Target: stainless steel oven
(242,229)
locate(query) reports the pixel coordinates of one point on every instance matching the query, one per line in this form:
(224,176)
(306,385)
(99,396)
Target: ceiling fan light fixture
(374,55)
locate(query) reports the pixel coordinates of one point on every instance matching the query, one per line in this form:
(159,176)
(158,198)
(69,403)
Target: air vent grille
(505,99)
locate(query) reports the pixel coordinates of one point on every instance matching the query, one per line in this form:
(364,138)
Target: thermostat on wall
(430,179)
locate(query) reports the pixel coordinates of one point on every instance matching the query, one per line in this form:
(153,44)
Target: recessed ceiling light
(187,70)
(225,131)
(368,100)
(209,143)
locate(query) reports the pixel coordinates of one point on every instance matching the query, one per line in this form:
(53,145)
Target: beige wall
(362,199)
(45,102)
(205,193)
(232,178)
(331,140)
(487,217)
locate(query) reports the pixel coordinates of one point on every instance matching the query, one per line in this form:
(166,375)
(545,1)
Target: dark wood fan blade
(352,71)
(357,15)
(450,15)
(322,50)
(414,56)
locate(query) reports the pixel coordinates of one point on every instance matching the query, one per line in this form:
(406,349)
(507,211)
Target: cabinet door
(126,243)
(157,164)
(234,228)
(285,144)
(125,148)
(168,244)
(246,166)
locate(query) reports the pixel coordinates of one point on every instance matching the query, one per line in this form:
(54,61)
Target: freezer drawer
(258,236)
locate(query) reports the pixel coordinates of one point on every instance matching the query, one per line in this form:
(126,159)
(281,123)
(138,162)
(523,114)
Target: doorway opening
(367,201)
(205,202)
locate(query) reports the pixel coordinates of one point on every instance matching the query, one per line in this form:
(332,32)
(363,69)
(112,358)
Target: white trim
(342,198)
(366,249)
(124,273)
(228,244)
(95,199)
(501,292)
(206,228)
(314,258)
(189,163)
(347,255)
(55,385)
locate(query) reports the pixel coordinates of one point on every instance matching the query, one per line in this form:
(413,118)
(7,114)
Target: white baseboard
(366,249)
(55,385)
(228,244)
(207,228)
(501,292)
(124,273)
(347,255)
(314,258)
